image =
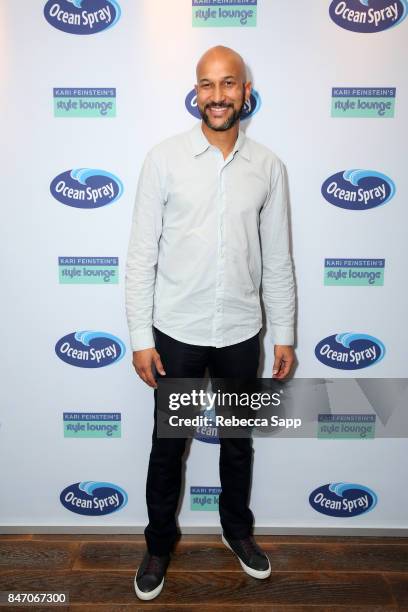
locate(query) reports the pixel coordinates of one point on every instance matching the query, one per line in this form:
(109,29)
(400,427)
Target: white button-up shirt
(206,232)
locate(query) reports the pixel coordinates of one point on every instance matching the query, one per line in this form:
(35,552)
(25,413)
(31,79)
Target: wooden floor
(348,574)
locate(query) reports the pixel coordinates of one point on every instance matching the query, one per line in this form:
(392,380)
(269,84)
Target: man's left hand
(284,360)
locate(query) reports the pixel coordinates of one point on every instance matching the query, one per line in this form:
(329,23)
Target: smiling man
(210,226)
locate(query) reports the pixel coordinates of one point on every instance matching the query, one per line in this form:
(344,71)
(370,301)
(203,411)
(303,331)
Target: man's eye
(229,83)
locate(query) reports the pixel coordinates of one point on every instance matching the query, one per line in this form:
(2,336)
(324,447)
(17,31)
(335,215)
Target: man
(210,222)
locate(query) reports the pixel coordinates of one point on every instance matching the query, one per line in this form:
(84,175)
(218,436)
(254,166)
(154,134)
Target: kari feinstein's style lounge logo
(368,16)
(343,499)
(251,107)
(92,424)
(224,13)
(363,272)
(90,349)
(371,102)
(84,102)
(88,270)
(358,189)
(350,351)
(82,16)
(86,188)
(204,498)
(93,498)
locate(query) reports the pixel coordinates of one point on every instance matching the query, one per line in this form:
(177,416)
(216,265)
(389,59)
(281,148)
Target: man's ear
(248,89)
(196,88)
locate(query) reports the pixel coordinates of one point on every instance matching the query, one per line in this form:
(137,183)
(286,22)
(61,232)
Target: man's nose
(218,93)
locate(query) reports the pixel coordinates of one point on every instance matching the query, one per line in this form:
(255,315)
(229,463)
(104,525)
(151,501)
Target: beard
(231,121)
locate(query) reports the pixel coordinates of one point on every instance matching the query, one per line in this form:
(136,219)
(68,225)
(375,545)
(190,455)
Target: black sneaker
(252,559)
(149,579)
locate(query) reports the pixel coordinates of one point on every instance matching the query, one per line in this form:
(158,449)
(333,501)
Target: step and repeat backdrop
(89,86)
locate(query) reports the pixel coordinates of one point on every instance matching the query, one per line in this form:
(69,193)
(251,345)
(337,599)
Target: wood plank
(215,588)
(109,556)
(158,606)
(399,588)
(302,557)
(90,537)
(16,536)
(21,554)
(339,557)
(284,557)
(197,538)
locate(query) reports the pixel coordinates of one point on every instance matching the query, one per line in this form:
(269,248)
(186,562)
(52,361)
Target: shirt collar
(200,143)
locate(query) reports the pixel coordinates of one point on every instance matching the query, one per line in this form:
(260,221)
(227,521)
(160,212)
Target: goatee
(230,122)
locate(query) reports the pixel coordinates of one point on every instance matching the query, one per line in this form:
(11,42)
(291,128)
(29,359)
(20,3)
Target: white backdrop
(295,55)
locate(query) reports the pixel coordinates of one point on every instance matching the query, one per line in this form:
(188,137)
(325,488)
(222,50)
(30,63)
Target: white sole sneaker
(260,574)
(150,594)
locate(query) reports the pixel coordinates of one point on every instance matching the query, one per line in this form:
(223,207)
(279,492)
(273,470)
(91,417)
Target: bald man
(210,225)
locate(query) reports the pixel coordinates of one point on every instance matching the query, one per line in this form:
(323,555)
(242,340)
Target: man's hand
(284,360)
(143,361)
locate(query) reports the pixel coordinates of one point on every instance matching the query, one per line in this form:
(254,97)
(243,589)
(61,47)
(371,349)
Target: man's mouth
(218,111)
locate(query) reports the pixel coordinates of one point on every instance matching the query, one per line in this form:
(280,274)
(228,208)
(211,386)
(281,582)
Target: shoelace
(249,546)
(154,565)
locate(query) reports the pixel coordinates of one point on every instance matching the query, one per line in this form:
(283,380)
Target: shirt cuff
(282,335)
(141,339)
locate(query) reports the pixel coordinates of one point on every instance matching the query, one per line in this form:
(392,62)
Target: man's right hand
(143,361)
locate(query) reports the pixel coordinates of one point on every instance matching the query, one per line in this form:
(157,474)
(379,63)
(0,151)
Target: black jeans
(181,360)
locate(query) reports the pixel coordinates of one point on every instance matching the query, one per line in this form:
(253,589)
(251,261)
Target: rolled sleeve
(277,270)
(142,256)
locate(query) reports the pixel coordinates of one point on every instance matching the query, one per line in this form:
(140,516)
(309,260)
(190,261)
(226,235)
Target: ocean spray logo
(343,499)
(362,272)
(86,188)
(363,102)
(204,498)
(92,424)
(233,13)
(251,107)
(82,16)
(349,351)
(90,349)
(208,433)
(88,270)
(358,189)
(368,15)
(93,498)
(84,102)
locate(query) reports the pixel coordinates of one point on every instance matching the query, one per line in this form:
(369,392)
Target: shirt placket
(218,327)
